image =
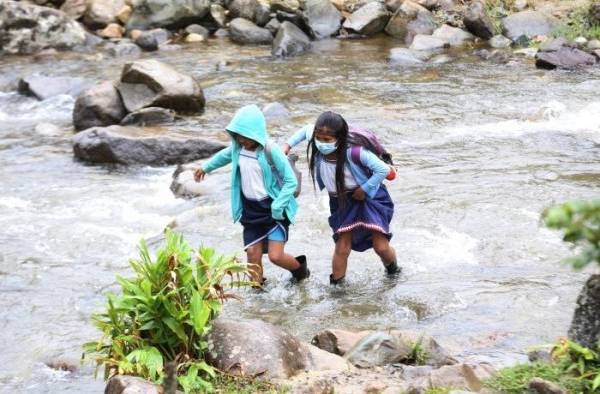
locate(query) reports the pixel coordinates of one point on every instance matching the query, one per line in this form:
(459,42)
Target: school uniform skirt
(259,225)
(362,218)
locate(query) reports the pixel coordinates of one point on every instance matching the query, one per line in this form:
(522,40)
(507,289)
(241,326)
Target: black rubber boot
(301,272)
(337,281)
(392,268)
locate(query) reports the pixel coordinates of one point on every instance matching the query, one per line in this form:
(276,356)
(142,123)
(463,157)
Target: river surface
(482,150)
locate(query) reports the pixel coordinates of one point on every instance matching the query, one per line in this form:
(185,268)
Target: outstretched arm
(304,133)
(222,158)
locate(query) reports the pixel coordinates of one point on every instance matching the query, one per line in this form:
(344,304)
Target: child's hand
(359,194)
(199,174)
(286,148)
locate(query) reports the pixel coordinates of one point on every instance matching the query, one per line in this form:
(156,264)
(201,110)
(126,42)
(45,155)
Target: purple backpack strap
(355,155)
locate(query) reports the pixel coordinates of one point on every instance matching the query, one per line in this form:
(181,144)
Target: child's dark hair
(332,124)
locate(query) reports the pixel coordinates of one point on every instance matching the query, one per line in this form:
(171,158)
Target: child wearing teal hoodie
(262,192)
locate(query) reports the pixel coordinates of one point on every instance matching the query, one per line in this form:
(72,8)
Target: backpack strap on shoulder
(355,155)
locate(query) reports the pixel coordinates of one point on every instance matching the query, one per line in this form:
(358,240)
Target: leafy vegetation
(580,223)
(239,385)
(579,24)
(438,390)
(418,355)
(164,313)
(575,368)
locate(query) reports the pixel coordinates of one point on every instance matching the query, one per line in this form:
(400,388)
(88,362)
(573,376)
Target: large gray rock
(528,24)
(478,22)
(437,355)
(26,28)
(585,326)
(255,348)
(150,116)
(243,9)
(337,341)
(150,83)
(552,45)
(133,145)
(322,18)
(42,87)
(368,20)
(290,41)
(423,42)
(100,13)
(453,35)
(377,349)
(243,31)
(99,105)
(166,13)
(123,384)
(123,48)
(409,20)
(565,57)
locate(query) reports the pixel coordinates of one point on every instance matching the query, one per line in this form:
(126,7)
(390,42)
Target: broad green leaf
(176,327)
(199,313)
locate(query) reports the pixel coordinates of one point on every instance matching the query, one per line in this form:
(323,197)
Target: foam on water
(553,116)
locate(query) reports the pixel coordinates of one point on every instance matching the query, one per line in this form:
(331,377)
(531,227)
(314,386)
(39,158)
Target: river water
(482,150)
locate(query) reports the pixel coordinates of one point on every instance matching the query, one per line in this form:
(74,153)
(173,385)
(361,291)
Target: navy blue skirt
(362,218)
(259,224)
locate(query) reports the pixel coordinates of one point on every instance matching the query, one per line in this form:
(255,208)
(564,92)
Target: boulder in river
(426,43)
(149,116)
(290,41)
(565,57)
(377,349)
(166,13)
(150,40)
(150,83)
(467,376)
(322,18)
(368,20)
(478,22)
(26,28)
(218,14)
(255,348)
(134,145)
(453,35)
(99,105)
(243,31)
(337,341)
(101,13)
(123,48)
(243,9)
(499,41)
(43,87)
(409,20)
(528,24)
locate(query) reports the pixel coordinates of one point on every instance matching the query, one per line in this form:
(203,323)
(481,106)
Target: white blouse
(327,172)
(253,184)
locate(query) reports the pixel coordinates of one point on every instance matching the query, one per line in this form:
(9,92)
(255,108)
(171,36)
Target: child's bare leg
(254,256)
(386,252)
(339,262)
(296,265)
(278,256)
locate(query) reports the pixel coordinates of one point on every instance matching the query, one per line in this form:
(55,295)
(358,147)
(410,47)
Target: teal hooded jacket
(249,122)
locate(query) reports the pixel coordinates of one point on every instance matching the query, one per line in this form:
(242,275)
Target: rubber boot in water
(392,268)
(301,272)
(337,281)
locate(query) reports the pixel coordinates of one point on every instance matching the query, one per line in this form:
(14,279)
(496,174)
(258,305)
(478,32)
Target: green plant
(580,223)
(164,312)
(225,384)
(438,390)
(578,24)
(418,355)
(580,361)
(515,380)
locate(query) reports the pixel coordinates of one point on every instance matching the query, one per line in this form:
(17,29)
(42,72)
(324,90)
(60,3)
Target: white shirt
(327,172)
(253,184)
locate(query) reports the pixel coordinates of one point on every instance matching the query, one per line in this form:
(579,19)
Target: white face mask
(326,148)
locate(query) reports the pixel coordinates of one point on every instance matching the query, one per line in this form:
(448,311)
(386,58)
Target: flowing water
(482,149)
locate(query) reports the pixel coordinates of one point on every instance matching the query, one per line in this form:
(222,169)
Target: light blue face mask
(326,148)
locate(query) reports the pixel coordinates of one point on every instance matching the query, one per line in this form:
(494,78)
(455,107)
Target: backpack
(365,138)
(292,158)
